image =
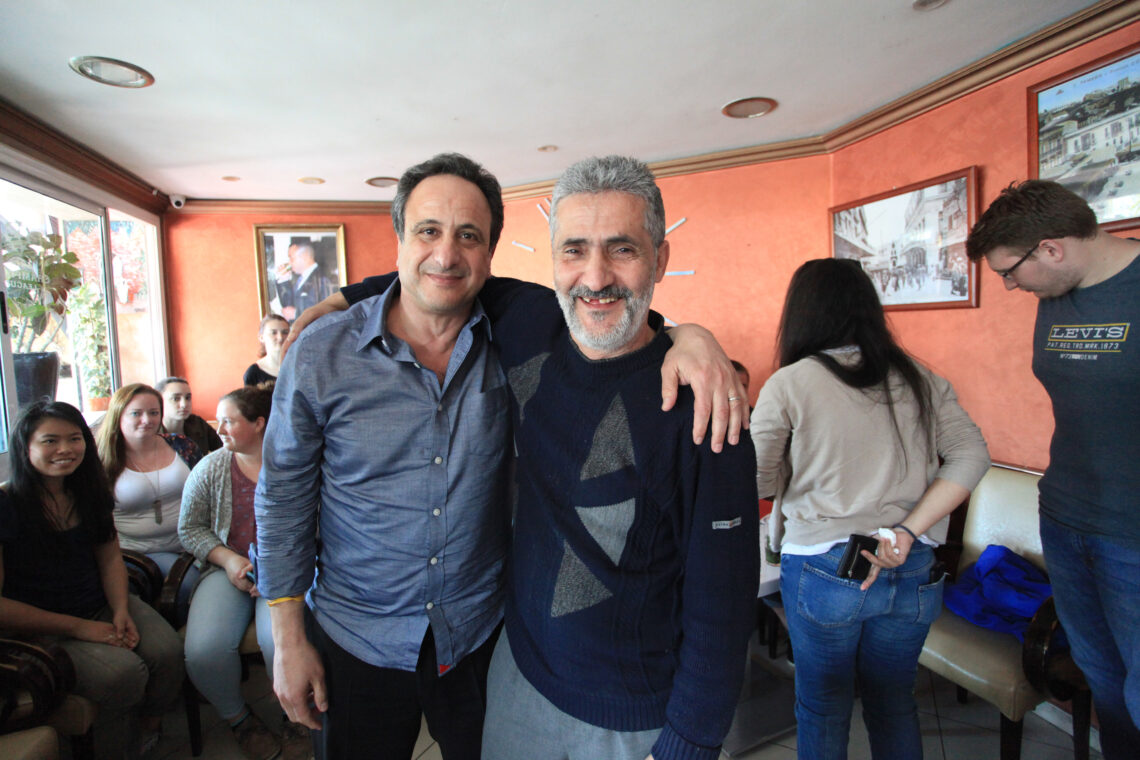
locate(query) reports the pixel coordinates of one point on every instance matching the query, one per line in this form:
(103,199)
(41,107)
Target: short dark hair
(1025,214)
(160,386)
(461,166)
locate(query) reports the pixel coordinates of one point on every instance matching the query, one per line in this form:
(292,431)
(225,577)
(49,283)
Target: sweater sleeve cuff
(355,292)
(672,746)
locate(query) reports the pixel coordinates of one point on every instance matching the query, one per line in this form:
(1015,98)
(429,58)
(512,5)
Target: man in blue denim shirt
(388,439)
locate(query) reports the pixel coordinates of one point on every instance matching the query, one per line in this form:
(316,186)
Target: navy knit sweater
(633,571)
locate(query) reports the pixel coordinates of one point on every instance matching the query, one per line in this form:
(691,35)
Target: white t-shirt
(135,493)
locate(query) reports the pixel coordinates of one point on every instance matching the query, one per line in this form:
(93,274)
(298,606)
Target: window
(138,299)
(59,260)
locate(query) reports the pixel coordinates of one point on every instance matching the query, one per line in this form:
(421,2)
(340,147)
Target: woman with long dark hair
(848,434)
(62,576)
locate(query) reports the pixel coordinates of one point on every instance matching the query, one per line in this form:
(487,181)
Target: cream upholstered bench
(995,666)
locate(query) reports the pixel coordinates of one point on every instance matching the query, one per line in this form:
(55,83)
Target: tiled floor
(950,731)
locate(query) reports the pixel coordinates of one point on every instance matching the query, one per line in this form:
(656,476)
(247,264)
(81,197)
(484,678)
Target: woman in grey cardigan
(217,526)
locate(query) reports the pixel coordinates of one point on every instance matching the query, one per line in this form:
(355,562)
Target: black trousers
(374,713)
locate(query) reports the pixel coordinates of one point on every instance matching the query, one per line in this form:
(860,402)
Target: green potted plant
(40,275)
(87,316)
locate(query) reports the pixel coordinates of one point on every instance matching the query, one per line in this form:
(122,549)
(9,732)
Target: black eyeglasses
(1005,274)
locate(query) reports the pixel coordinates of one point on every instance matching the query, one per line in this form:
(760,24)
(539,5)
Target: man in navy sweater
(633,569)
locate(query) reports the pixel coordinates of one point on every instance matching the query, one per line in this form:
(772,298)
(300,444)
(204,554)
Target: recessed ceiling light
(927,5)
(111,71)
(231,178)
(748,108)
(381,181)
(548,148)
(311,181)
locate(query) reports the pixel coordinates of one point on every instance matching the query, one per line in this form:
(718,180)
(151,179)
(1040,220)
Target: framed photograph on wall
(298,265)
(1084,132)
(912,241)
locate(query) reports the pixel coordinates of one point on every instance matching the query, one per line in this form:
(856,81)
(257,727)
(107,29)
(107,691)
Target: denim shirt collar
(375,327)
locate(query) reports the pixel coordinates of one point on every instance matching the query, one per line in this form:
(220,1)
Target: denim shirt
(403,480)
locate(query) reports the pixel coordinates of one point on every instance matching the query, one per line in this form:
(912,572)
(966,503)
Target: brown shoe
(257,742)
(295,742)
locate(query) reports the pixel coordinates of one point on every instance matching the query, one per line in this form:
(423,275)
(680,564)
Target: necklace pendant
(157,504)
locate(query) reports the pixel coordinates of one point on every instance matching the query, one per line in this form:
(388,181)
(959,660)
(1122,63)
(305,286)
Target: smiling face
(176,401)
(141,417)
(445,252)
(56,448)
(605,268)
(238,434)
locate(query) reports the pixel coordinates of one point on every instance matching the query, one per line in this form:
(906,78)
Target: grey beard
(633,317)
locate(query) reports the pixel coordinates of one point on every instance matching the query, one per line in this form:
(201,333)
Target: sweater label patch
(726,524)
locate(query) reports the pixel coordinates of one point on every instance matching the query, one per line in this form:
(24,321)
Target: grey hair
(461,166)
(618,173)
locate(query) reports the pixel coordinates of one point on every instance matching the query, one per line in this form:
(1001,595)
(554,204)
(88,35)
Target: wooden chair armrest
(34,679)
(168,599)
(143,575)
(1047,662)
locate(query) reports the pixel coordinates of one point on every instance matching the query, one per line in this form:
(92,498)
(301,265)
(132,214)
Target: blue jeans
(219,615)
(842,635)
(1096,584)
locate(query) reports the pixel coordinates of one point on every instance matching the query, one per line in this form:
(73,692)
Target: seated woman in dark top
(271,335)
(62,577)
(177,417)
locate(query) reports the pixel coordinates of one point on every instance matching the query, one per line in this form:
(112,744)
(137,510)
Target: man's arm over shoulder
(721,555)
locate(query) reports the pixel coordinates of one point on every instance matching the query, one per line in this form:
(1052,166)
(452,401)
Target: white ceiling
(275,90)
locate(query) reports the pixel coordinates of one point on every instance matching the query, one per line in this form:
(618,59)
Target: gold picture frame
(316,249)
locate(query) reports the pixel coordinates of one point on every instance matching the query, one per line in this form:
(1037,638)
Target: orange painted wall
(747,230)
(211,290)
(984,352)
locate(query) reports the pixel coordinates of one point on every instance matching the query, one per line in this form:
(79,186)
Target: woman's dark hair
(252,401)
(832,303)
(88,485)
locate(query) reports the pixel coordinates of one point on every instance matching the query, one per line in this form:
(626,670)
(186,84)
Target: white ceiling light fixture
(927,5)
(749,108)
(381,181)
(548,148)
(311,181)
(111,71)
